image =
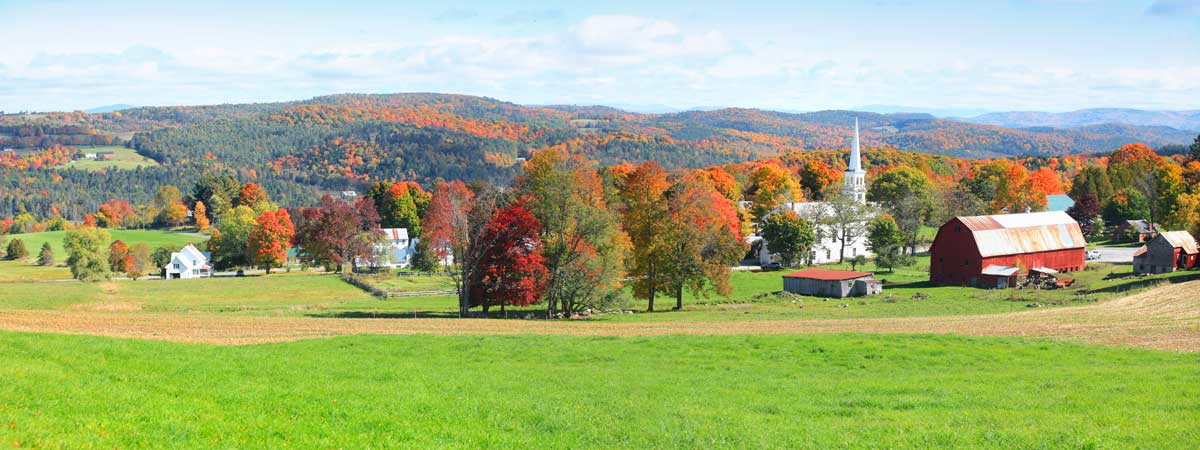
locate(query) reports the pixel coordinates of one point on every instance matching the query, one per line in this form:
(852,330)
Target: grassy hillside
(153,238)
(124,159)
(26,270)
(572,392)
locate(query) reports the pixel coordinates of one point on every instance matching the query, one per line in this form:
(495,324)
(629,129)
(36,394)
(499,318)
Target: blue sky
(794,55)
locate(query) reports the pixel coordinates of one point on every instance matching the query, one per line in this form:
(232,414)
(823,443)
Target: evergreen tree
(46,257)
(16,250)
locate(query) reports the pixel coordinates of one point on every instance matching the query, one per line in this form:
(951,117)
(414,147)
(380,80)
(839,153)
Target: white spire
(855,164)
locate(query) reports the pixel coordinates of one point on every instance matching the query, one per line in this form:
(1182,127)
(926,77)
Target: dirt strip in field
(1166,318)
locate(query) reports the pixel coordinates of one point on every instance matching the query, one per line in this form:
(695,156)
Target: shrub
(16,250)
(46,256)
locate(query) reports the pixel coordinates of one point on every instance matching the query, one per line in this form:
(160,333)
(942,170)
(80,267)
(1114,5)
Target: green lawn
(125,158)
(27,270)
(825,391)
(153,238)
(277,294)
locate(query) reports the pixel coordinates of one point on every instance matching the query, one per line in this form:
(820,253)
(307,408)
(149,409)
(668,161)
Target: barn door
(1001,283)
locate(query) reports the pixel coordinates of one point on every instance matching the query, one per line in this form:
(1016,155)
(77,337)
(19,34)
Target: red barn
(1167,252)
(991,251)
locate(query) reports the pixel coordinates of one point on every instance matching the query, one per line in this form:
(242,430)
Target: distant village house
(1135,231)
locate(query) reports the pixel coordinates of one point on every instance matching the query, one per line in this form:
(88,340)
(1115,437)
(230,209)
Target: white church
(827,247)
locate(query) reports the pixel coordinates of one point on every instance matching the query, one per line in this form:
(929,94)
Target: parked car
(1092,254)
(772,267)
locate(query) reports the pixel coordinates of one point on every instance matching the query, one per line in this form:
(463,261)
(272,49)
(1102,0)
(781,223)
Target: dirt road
(1167,317)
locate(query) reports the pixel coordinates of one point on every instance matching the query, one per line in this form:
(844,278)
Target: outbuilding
(1167,252)
(1135,231)
(991,251)
(831,283)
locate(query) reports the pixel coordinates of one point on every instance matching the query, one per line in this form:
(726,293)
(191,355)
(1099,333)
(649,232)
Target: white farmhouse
(828,246)
(397,249)
(188,262)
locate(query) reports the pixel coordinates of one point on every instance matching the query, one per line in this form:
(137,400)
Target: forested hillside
(344,142)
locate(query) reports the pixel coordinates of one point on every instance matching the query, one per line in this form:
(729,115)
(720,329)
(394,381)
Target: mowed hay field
(528,391)
(124,158)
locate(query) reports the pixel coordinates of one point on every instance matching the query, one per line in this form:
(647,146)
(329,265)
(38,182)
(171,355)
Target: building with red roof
(831,283)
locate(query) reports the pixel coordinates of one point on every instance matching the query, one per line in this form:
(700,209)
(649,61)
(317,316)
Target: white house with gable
(189,262)
(828,246)
(397,249)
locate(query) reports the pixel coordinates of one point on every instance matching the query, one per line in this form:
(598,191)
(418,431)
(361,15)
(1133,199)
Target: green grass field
(278,294)
(26,270)
(124,158)
(578,392)
(756,296)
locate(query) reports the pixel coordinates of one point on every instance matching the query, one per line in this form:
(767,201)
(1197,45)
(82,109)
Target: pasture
(818,391)
(27,271)
(124,158)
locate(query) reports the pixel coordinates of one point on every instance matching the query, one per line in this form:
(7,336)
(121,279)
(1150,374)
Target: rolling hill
(1181,120)
(345,142)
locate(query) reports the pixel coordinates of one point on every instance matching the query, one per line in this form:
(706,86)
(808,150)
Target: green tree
(1093,180)
(46,256)
(886,241)
(167,195)
(1129,204)
(582,242)
(87,253)
(857,260)
(897,184)
(233,239)
(424,259)
(211,187)
(907,194)
(788,236)
(160,257)
(1196,148)
(16,250)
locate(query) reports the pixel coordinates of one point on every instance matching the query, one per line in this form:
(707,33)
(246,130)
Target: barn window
(966,262)
(958,228)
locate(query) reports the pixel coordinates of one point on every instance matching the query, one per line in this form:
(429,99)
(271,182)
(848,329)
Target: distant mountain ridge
(1181,120)
(109,108)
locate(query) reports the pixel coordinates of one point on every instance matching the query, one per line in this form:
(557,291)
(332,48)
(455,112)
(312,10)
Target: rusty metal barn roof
(1015,234)
(827,274)
(1182,240)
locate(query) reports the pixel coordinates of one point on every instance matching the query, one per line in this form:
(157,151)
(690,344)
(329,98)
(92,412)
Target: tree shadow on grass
(1147,283)
(495,314)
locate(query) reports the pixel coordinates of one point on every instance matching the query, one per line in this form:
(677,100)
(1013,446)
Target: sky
(1052,55)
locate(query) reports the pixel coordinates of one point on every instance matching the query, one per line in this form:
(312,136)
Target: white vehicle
(1092,254)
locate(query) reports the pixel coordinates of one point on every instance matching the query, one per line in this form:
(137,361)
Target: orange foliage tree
(271,239)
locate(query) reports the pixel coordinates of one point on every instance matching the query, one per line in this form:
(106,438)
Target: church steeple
(854,181)
(855,164)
